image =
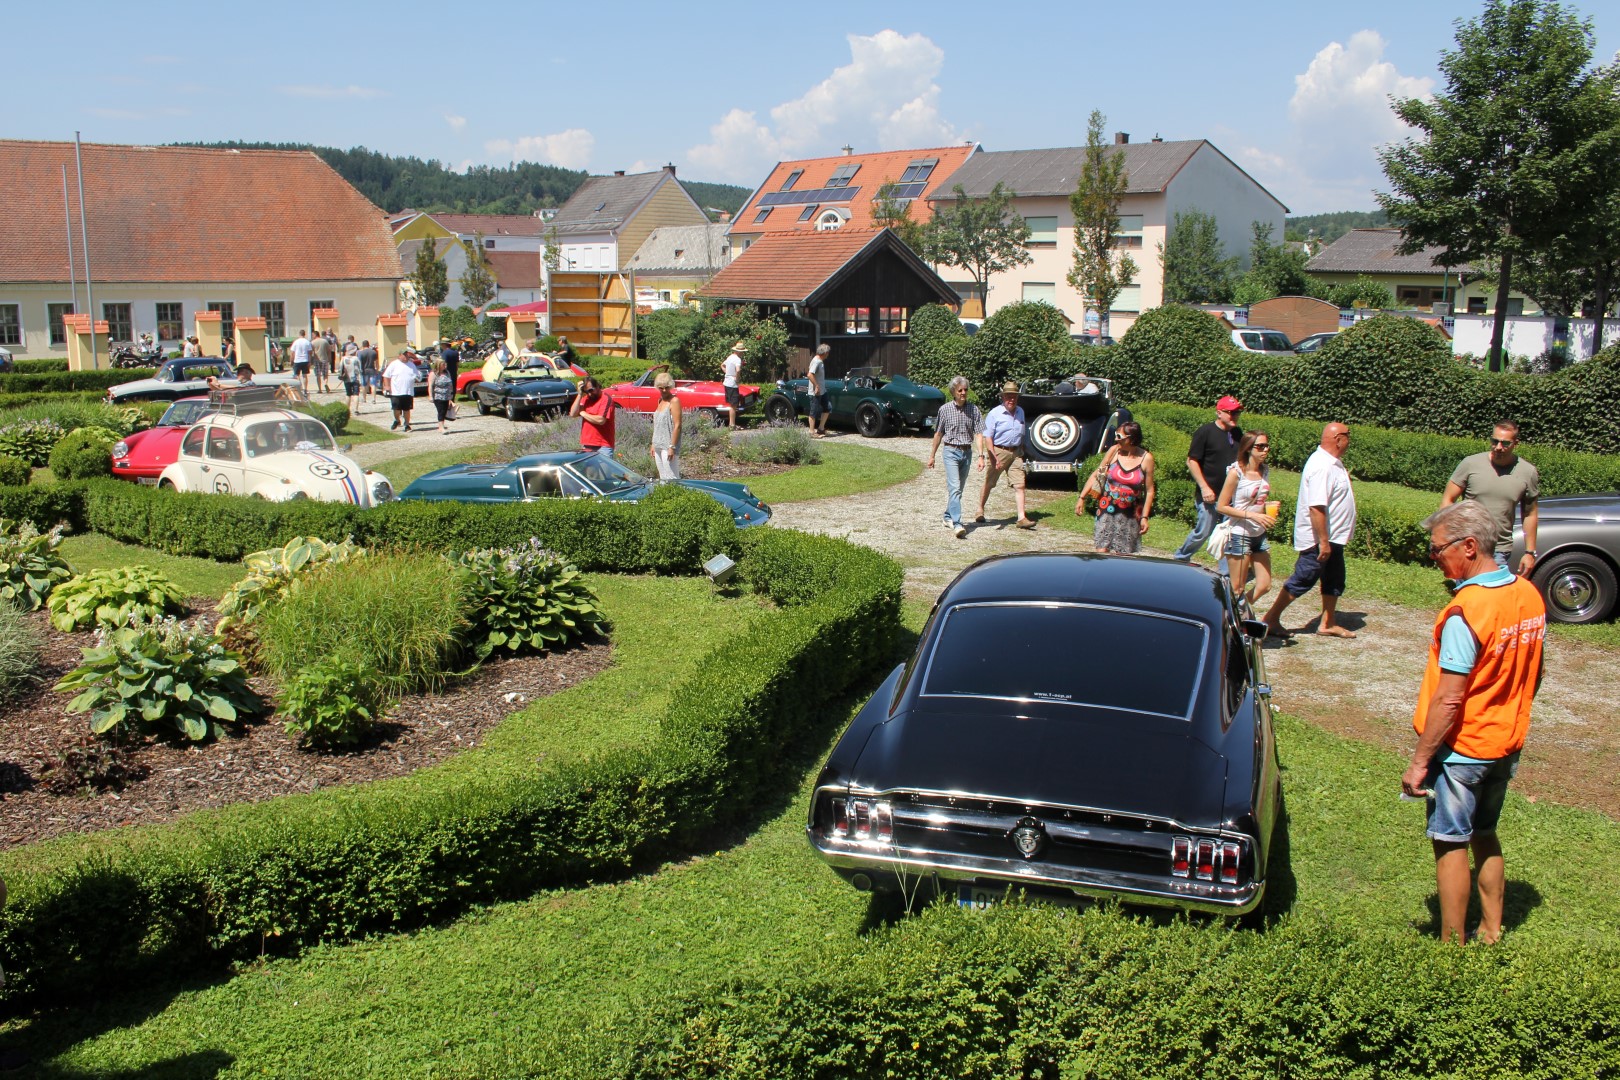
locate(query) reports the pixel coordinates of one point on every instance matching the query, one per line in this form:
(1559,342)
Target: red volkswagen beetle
(642,395)
(143,454)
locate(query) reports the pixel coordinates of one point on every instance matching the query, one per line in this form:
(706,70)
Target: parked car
(1068,423)
(872,403)
(1259,339)
(143,455)
(1578,560)
(573,474)
(249,445)
(971,326)
(526,391)
(991,762)
(1312,342)
(642,396)
(531,363)
(1091,339)
(186,377)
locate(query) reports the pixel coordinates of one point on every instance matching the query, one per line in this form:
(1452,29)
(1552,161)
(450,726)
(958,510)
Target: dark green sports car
(574,474)
(872,403)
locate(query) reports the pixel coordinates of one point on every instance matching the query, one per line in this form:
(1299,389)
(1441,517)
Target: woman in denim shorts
(1243,499)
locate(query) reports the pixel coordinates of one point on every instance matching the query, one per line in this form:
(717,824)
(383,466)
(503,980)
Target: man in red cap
(1214,449)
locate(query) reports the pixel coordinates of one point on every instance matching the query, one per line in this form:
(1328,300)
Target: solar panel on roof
(812,195)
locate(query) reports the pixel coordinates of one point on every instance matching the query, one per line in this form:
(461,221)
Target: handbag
(1216,544)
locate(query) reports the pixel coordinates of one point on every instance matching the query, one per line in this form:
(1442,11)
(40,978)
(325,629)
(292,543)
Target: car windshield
(184,413)
(607,474)
(278,436)
(1072,654)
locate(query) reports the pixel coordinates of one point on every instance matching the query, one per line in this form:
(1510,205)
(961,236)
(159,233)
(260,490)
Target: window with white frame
(1042,231)
(54,314)
(227,317)
(274,314)
(120,326)
(10,324)
(171,322)
(1044,292)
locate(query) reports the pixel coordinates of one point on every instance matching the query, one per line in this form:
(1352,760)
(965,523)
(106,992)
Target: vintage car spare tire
(779,410)
(1578,587)
(870,421)
(1054,433)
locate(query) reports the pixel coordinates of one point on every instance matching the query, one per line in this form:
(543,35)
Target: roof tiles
(1372,251)
(875,170)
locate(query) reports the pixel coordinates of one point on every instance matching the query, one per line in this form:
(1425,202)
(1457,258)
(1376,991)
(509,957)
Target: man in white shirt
(1324,522)
(400,375)
(302,351)
(732,369)
(818,392)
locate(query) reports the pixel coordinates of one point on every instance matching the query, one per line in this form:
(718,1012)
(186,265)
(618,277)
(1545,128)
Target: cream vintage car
(253,445)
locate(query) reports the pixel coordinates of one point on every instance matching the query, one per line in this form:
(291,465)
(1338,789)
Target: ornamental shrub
(14,471)
(83,454)
(777,444)
(1026,342)
(700,353)
(41,363)
(20,643)
(937,345)
(162,676)
(63,381)
(112,596)
(30,564)
(31,440)
(334,702)
(73,413)
(334,414)
(661,334)
(90,763)
(527,600)
(272,573)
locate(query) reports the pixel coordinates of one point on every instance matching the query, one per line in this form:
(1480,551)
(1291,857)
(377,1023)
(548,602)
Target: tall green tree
(430,277)
(1274,270)
(1196,267)
(1491,170)
(981,236)
(477,281)
(1099,273)
(895,213)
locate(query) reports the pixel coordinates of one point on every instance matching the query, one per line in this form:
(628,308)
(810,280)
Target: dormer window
(842,176)
(793,178)
(918,171)
(763,214)
(599,208)
(808,212)
(679,252)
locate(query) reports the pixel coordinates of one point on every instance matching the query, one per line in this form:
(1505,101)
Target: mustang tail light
(1205,859)
(863,819)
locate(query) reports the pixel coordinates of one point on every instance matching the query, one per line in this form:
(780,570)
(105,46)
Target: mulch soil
(262,761)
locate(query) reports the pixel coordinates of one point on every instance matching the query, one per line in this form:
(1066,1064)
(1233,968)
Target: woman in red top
(595,408)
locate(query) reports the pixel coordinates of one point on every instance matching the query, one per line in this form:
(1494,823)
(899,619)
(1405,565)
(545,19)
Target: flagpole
(84,242)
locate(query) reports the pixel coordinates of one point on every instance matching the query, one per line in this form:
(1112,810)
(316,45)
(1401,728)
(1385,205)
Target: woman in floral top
(441,388)
(1127,494)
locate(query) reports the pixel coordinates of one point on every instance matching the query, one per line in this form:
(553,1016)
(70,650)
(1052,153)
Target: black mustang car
(519,392)
(996,761)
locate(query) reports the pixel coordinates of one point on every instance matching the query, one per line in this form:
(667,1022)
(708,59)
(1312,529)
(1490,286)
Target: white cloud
(1338,118)
(571,149)
(458,124)
(884,98)
(308,90)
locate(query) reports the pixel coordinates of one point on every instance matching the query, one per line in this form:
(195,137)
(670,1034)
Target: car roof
(1151,584)
(227,420)
(559,457)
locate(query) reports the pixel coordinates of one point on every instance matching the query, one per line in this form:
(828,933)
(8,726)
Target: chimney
(1157,137)
(670,168)
(849,150)
(1121,138)
(618,172)
(725,216)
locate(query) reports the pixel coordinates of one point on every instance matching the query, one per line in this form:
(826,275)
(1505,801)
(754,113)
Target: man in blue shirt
(1003,441)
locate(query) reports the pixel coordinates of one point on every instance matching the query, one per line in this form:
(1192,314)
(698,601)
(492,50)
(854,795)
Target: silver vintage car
(1578,540)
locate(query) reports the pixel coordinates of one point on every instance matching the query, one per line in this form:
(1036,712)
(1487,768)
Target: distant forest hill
(395,183)
(1329,227)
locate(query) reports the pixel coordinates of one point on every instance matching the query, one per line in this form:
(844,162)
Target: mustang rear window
(1070,654)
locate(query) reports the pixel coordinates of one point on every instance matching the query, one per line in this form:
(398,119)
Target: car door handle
(204,468)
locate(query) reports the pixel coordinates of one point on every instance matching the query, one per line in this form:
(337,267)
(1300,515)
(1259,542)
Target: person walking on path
(351,376)
(1214,448)
(452,359)
(1324,522)
(959,427)
(731,372)
(819,407)
(370,377)
(1003,441)
(595,408)
(1504,483)
(1246,499)
(441,388)
(1127,490)
(325,356)
(302,354)
(1473,712)
(666,434)
(400,375)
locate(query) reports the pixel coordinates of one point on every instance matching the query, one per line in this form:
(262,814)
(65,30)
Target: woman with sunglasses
(1243,498)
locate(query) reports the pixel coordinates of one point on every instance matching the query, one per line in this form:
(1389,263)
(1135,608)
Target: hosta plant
(112,596)
(31,440)
(161,676)
(527,600)
(271,573)
(334,702)
(94,764)
(30,565)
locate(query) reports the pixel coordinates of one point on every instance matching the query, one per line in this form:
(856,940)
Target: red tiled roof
(515,269)
(875,170)
(185,214)
(792,267)
(491,224)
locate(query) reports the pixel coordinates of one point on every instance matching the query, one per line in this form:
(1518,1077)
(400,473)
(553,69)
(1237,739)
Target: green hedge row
(1021,993)
(39,364)
(104,909)
(39,397)
(1412,460)
(63,381)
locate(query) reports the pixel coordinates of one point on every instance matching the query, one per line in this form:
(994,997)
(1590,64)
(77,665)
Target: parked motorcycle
(125,356)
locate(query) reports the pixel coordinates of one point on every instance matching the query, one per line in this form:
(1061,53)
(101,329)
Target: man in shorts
(819,406)
(325,350)
(1473,712)
(731,372)
(370,377)
(1002,439)
(1324,522)
(400,376)
(302,352)
(1505,484)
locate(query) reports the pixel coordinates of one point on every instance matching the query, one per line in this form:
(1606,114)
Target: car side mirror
(1255,628)
(346,447)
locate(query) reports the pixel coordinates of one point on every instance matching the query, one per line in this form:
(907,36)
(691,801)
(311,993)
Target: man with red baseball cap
(1214,449)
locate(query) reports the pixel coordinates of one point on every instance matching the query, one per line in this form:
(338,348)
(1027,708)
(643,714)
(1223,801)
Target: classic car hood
(1094,758)
(456,479)
(1605,505)
(158,441)
(727,488)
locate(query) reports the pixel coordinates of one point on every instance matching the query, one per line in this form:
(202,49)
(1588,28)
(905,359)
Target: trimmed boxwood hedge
(105,908)
(36,397)
(62,381)
(39,364)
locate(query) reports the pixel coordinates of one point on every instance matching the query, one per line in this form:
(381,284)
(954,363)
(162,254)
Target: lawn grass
(845,469)
(360,432)
(407,467)
(195,577)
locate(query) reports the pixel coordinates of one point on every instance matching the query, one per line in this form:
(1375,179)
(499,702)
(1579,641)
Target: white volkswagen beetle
(251,447)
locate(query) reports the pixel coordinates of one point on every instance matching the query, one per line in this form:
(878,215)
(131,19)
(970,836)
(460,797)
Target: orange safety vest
(1509,623)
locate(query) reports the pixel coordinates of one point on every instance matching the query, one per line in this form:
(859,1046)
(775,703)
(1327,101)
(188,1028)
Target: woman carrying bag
(1123,486)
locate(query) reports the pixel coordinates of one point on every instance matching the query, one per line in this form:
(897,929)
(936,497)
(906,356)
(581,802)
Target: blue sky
(1296,93)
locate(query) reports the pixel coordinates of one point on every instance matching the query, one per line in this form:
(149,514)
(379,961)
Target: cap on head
(1228,403)
(1009,387)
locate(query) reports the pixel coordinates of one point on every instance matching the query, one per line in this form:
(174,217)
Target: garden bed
(261,761)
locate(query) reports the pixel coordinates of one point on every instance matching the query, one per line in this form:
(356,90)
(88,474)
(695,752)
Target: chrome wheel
(1578,588)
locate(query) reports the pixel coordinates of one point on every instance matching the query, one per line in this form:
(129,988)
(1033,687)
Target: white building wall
(1212,184)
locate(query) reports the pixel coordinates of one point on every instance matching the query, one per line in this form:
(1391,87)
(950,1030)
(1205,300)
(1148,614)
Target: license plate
(928,422)
(985,897)
(149,480)
(1048,466)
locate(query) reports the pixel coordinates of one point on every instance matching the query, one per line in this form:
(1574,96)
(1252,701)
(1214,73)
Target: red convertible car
(142,455)
(642,395)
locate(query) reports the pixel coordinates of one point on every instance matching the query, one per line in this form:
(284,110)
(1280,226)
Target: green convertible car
(872,403)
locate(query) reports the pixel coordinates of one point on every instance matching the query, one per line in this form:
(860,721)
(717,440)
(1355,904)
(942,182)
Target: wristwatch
(1533,553)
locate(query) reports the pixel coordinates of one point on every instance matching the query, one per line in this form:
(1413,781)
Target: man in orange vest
(1473,711)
